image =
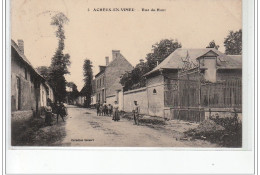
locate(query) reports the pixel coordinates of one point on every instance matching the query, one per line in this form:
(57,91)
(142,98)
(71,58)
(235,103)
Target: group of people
(108,110)
(57,108)
(104,109)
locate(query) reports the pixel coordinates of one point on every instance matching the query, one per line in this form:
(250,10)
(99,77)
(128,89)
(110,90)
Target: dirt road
(84,128)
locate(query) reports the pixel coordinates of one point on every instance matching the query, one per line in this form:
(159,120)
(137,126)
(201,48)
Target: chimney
(107,61)
(115,54)
(21,45)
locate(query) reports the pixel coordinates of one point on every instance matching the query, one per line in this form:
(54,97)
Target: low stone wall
(139,95)
(22,115)
(223,113)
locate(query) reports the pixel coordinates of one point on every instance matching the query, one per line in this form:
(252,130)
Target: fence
(225,94)
(188,97)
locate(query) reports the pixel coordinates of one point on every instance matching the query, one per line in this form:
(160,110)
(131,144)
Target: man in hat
(136,111)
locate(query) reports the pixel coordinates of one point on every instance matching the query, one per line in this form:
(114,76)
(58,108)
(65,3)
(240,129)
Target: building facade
(107,82)
(29,90)
(100,88)
(25,81)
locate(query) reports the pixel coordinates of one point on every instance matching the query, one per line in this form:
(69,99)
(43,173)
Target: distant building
(80,100)
(107,81)
(100,85)
(93,94)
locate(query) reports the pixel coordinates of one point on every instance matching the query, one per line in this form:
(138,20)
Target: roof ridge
(17,49)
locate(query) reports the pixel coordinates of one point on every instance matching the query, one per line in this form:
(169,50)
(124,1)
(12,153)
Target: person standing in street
(64,111)
(136,112)
(98,106)
(110,109)
(48,114)
(116,116)
(105,108)
(60,112)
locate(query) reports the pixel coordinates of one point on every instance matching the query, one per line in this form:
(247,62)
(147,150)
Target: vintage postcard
(88,73)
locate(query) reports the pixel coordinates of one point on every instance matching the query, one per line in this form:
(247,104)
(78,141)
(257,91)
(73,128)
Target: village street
(84,128)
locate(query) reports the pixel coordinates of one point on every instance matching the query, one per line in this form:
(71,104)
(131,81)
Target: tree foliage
(60,61)
(44,71)
(212,44)
(161,50)
(88,77)
(233,43)
(134,79)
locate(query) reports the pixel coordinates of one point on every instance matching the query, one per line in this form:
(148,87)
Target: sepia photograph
(88,73)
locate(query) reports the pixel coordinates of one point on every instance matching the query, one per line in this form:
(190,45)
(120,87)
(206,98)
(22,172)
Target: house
(166,86)
(29,91)
(80,100)
(100,85)
(26,83)
(107,81)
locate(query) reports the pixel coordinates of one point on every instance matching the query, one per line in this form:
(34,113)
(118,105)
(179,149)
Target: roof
(175,59)
(103,68)
(100,72)
(23,57)
(232,62)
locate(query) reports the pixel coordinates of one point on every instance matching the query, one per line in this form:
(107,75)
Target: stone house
(100,85)
(29,90)
(214,66)
(107,81)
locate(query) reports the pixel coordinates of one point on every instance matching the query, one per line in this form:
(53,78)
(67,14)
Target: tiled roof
(232,62)
(175,59)
(120,56)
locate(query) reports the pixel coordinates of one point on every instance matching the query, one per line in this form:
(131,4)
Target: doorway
(18,93)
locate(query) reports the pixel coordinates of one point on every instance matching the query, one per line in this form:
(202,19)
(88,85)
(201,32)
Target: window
(154,92)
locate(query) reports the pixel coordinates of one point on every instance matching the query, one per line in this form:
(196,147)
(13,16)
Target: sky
(92,34)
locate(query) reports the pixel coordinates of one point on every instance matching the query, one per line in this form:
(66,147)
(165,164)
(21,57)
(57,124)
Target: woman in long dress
(116,116)
(48,114)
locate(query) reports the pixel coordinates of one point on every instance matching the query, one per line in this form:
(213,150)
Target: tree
(44,71)
(212,44)
(134,79)
(60,61)
(160,51)
(88,77)
(233,43)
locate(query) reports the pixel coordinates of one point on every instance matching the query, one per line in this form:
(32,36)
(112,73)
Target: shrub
(226,132)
